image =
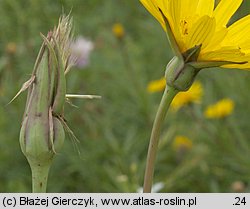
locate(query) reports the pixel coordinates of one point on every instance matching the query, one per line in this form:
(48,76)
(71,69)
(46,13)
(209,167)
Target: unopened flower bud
(179,75)
(42,132)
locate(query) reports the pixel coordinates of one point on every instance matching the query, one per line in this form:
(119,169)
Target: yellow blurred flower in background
(220,109)
(193,95)
(182,143)
(11,48)
(156,85)
(118,30)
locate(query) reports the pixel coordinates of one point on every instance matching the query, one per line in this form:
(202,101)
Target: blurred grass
(114,131)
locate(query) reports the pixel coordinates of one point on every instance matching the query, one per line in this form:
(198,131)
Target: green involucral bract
(179,75)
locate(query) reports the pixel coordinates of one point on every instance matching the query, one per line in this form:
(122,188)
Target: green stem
(166,100)
(39,177)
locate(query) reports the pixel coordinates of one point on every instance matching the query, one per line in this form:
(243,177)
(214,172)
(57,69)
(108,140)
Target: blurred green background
(114,131)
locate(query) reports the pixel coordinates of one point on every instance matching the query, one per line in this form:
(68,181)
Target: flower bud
(34,137)
(42,132)
(179,75)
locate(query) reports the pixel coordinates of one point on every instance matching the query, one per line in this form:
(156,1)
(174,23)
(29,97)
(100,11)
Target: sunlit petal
(216,41)
(205,7)
(188,8)
(201,32)
(240,30)
(225,10)
(152,7)
(225,54)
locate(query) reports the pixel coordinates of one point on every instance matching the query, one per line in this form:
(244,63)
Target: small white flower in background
(80,52)
(157,187)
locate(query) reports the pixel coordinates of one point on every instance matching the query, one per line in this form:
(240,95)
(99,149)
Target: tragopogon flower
(199,23)
(156,85)
(118,30)
(220,109)
(182,143)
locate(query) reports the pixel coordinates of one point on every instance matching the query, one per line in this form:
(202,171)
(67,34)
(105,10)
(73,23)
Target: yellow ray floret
(199,22)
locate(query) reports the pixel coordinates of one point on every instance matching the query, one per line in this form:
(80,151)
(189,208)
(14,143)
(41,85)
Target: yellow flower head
(156,85)
(182,142)
(118,30)
(193,95)
(198,22)
(221,109)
